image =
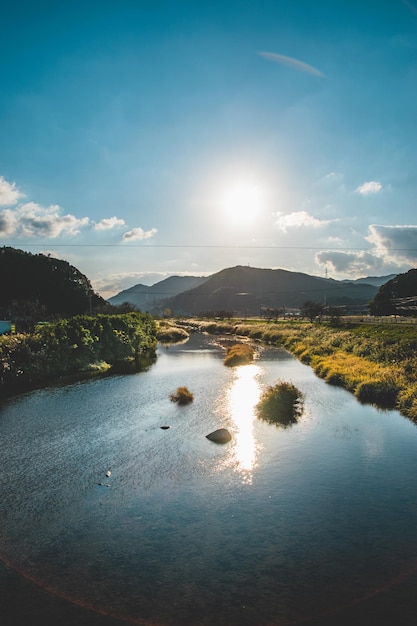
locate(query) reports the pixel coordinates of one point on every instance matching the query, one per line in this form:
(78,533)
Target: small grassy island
(280,404)
(182,396)
(239,354)
(168,332)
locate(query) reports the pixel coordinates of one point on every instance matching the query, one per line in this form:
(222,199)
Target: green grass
(280,404)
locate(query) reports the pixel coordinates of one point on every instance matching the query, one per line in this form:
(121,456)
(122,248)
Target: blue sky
(144,139)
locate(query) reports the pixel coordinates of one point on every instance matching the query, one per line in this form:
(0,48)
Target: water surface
(279,526)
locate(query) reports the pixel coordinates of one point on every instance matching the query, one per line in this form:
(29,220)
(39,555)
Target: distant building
(5,327)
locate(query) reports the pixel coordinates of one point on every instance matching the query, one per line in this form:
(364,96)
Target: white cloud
(369,187)
(9,194)
(8,223)
(138,234)
(356,263)
(108,223)
(31,220)
(298,219)
(35,220)
(397,244)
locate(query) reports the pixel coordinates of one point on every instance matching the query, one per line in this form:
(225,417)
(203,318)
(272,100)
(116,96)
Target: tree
(311,310)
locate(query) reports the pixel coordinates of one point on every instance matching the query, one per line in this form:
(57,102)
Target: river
(315,523)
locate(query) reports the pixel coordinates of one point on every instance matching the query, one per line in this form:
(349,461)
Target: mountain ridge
(246,289)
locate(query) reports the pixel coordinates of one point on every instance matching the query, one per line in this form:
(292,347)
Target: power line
(209,246)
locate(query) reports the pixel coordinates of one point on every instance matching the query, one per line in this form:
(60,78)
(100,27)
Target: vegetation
(182,396)
(239,354)
(375,361)
(168,332)
(280,404)
(82,343)
(397,296)
(37,287)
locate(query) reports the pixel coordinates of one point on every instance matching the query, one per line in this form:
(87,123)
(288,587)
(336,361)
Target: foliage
(72,345)
(397,296)
(182,396)
(239,354)
(37,287)
(311,310)
(171,333)
(280,404)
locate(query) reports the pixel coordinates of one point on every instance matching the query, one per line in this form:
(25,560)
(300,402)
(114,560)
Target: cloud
(32,220)
(138,234)
(369,187)
(358,263)
(9,194)
(397,244)
(108,223)
(297,219)
(292,63)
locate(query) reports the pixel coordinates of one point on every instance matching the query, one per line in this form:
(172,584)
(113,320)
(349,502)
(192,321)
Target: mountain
(376,281)
(244,290)
(397,296)
(150,298)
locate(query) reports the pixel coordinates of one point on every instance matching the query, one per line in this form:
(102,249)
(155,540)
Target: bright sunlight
(242,202)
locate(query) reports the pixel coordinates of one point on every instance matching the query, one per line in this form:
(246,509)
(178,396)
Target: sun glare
(242,202)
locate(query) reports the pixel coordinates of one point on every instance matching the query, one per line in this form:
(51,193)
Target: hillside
(149,298)
(244,290)
(397,296)
(42,286)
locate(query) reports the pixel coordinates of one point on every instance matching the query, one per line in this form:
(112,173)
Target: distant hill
(244,290)
(43,286)
(397,296)
(377,281)
(151,298)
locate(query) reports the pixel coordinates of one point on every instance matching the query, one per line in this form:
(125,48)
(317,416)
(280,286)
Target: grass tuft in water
(280,404)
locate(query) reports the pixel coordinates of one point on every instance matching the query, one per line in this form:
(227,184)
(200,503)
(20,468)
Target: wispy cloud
(298,219)
(292,63)
(108,223)
(138,234)
(369,187)
(9,193)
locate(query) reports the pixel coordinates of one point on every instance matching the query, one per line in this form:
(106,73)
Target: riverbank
(76,348)
(376,362)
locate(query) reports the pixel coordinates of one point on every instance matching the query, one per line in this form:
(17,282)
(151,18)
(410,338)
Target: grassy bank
(79,346)
(377,362)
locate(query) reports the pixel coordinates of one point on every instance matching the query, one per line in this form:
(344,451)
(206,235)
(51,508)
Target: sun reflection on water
(242,397)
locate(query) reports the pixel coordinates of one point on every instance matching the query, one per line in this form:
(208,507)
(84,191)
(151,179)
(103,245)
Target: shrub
(280,404)
(239,354)
(182,395)
(381,393)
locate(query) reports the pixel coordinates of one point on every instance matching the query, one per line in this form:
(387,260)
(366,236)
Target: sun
(242,202)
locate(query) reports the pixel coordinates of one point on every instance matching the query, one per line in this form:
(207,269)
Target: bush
(182,395)
(280,404)
(381,393)
(239,354)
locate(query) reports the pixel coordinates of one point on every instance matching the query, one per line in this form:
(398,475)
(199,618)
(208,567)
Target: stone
(221,435)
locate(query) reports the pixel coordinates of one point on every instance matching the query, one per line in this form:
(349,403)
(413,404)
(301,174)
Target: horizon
(185,138)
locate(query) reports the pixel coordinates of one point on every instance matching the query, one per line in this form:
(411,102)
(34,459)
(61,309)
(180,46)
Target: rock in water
(221,435)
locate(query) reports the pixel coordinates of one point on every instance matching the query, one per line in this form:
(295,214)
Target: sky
(142,139)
